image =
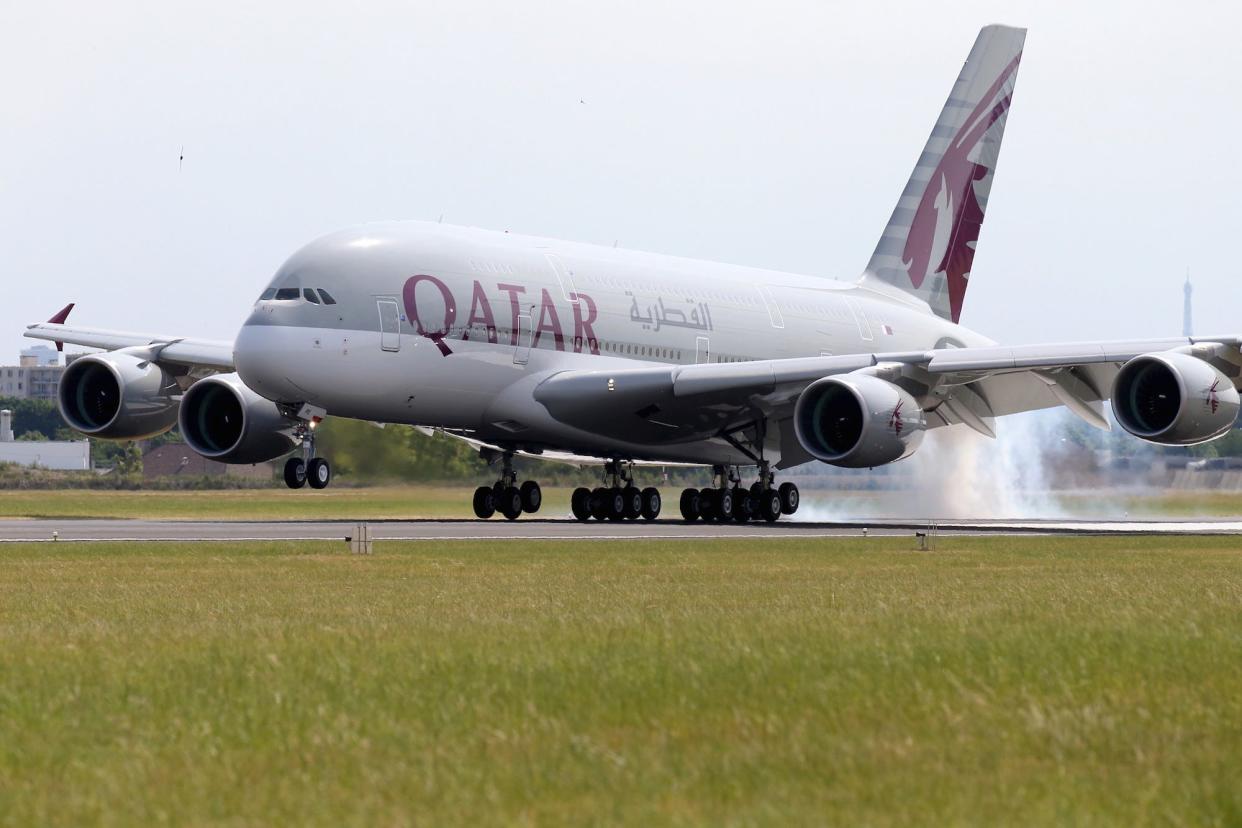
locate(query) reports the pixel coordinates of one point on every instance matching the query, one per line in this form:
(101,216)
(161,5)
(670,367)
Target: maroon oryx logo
(1212,401)
(894,420)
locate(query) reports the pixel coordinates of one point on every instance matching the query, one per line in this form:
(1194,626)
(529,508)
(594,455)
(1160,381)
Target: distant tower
(1187,325)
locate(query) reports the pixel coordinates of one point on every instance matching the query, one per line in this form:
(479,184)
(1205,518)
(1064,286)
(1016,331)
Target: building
(37,355)
(36,376)
(62,455)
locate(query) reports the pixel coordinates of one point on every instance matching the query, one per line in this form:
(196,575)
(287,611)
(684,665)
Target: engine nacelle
(1173,399)
(858,421)
(222,419)
(117,396)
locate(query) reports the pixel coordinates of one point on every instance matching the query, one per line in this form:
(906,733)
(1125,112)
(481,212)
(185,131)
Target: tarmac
(70,529)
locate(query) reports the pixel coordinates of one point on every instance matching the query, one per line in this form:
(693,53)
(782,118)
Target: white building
(63,455)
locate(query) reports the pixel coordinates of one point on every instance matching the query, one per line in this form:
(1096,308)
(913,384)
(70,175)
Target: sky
(777,134)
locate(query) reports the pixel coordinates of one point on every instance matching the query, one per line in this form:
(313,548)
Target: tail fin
(928,246)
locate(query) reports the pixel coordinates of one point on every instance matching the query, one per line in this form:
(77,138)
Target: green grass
(255,504)
(851,681)
(425,501)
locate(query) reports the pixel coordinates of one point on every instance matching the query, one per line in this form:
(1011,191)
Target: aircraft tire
(318,473)
(484,506)
(770,505)
(651,503)
(633,502)
(743,505)
(790,498)
(511,503)
(616,500)
(724,505)
(690,505)
(599,503)
(532,497)
(707,504)
(295,473)
(580,504)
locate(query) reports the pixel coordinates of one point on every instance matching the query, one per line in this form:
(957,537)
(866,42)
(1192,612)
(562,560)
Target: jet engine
(858,421)
(118,396)
(222,419)
(1173,399)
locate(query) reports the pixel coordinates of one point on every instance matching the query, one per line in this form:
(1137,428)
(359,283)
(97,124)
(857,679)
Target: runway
(48,530)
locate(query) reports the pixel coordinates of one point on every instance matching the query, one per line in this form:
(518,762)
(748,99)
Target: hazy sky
(776,134)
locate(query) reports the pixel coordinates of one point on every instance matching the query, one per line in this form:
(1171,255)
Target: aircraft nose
(261,356)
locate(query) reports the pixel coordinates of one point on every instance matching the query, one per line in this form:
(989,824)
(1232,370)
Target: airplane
(535,347)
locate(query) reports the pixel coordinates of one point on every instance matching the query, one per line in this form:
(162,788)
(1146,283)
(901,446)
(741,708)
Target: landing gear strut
(308,468)
(505,496)
(621,500)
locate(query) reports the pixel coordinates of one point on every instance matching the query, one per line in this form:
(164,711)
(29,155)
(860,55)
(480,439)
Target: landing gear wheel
(651,503)
(707,504)
(616,503)
(633,499)
(599,503)
(532,496)
(580,504)
(789,498)
(318,473)
(724,505)
(295,473)
(511,503)
(743,505)
(484,506)
(690,505)
(770,505)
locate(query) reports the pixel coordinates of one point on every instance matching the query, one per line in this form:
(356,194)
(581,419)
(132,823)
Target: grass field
(454,502)
(852,681)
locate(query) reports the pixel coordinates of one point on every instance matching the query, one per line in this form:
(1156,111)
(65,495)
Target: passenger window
(287,293)
(311,296)
(327,297)
(270,293)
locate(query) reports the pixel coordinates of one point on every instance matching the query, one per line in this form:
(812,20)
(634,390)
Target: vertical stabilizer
(928,246)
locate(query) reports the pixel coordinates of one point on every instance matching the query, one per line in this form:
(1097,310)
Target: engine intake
(117,396)
(1173,399)
(223,420)
(858,421)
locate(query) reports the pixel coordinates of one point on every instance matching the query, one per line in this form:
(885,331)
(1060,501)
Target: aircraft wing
(671,404)
(192,353)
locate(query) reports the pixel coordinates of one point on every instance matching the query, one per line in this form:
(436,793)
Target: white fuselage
(454,327)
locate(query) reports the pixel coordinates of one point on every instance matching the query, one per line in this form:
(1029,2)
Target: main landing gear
(308,468)
(506,497)
(622,500)
(728,500)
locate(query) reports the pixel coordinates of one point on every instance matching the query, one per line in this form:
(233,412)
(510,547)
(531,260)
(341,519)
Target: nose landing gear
(308,468)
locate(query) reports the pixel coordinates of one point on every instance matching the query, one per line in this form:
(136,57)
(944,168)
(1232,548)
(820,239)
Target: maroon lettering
(550,322)
(410,300)
(481,311)
(513,291)
(583,332)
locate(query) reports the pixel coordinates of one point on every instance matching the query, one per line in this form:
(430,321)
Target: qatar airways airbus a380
(529,345)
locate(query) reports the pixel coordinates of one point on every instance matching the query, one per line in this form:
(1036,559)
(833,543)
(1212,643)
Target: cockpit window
(327,297)
(270,293)
(288,293)
(310,296)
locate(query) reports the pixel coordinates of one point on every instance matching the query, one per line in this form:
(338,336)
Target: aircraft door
(525,333)
(702,350)
(390,324)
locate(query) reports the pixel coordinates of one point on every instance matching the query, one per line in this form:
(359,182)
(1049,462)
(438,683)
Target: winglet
(59,319)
